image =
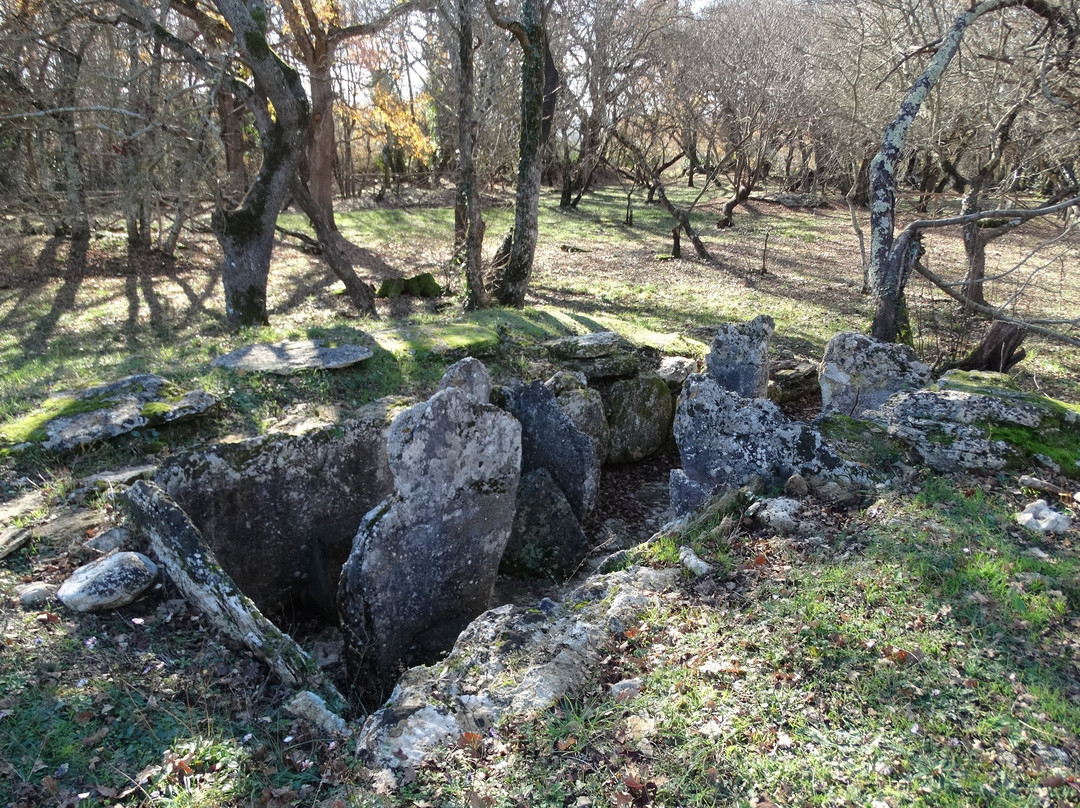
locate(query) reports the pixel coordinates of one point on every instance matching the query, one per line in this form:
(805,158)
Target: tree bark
(999,350)
(69,63)
(511,277)
(468,221)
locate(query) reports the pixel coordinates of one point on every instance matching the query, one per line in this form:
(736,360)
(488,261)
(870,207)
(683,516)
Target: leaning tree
(894,256)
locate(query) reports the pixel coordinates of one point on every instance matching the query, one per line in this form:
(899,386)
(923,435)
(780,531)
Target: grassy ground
(922,651)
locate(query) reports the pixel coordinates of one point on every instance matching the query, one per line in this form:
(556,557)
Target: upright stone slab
(550,440)
(639,413)
(470,375)
(739,358)
(725,439)
(859,373)
(280,511)
(424,562)
(584,405)
(547,541)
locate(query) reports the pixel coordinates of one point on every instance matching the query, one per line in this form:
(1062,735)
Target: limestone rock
(615,366)
(106,411)
(1038,517)
(859,373)
(550,440)
(312,708)
(689,559)
(108,583)
(725,439)
(291,356)
(109,541)
(686,495)
(639,415)
(779,514)
(584,406)
(952,429)
(588,346)
(547,540)
(120,477)
(35,595)
(424,561)
(280,511)
(470,375)
(510,661)
(797,382)
(796,486)
(13,539)
(674,370)
(739,358)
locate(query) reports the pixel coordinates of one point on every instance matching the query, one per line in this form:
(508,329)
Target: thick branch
(337,35)
(990,311)
(1023,214)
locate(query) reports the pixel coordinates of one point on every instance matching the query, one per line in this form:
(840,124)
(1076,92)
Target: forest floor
(917,648)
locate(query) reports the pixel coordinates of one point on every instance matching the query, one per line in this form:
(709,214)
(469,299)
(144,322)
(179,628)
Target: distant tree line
(156,110)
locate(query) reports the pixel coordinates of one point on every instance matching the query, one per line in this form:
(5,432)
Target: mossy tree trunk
(512,273)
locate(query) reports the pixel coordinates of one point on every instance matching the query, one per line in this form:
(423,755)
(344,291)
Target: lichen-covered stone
(510,661)
(547,540)
(859,373)
(108,583)
(550,440)
(78,418)
(674,370)
(739,358)
(291,356)
(639,415)
(424,561)
(686,495)
(280,511)
(35,595)
(623,364)
(797,382)
(468,374)
(584,406)
(725,439)
(952,429)
(588,346)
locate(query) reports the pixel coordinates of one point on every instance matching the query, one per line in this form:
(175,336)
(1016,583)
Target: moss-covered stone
(422,285)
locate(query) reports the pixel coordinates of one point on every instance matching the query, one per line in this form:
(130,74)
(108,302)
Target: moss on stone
(155,409)
(861,441)
(31,427)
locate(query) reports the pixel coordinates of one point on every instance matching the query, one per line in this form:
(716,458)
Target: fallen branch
(990,311)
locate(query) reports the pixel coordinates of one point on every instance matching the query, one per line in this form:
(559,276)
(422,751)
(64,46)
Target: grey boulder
(547,540)
(291,356)
(639,415)
(858,373)
(108,583)
(739,358)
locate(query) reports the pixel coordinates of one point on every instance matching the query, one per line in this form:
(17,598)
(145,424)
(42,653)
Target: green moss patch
(31,428)
(860,441)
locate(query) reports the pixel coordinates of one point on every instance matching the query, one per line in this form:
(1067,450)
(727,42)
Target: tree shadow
(64,301)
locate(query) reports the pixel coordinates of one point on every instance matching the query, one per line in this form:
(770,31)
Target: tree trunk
(69,63)
(360,293)
(511,278)
(321,148)
(999,350)
(231,124)
(684,222)
(468,221)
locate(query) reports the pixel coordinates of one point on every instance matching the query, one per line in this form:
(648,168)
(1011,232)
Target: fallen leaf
(569,742)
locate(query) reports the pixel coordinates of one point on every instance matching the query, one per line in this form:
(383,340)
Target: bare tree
(893,257)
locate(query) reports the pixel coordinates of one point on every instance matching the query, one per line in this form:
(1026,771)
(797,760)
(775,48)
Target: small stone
(311,708)
(13,539)
(674,370)
(564,381)
(779,514)
(1038,517)
(35,595)
(689,559)
(108,583)
(125,476)
(796,486)
(625,690)
(109,540)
